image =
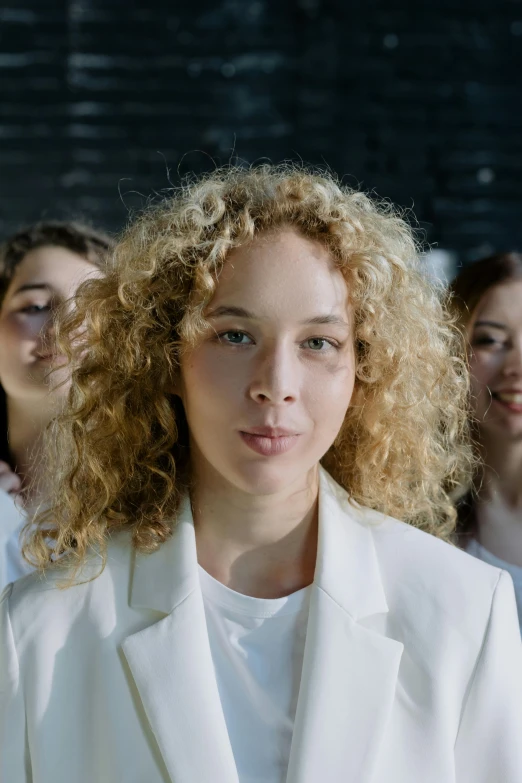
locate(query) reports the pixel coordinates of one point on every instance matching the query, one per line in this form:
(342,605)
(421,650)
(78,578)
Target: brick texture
(104,102)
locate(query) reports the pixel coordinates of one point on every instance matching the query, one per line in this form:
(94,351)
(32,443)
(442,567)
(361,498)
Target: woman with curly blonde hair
(262,382)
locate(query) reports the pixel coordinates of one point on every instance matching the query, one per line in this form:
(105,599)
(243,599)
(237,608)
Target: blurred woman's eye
(486,340)
(33,309)
(235,338)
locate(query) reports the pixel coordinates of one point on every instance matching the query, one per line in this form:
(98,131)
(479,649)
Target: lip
(501,397)
(269,441)
(270,432)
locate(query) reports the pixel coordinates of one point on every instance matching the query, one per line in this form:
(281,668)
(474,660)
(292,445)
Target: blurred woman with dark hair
(488,297)
(40,268)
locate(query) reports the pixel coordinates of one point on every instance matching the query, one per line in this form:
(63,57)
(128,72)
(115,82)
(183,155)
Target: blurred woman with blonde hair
(262,386)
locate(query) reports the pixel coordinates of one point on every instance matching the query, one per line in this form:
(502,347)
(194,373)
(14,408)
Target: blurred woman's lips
(269,441)
(512,400)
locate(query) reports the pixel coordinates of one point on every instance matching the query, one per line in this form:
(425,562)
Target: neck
(26,423)
(498,508)
(502,461)
(264,546)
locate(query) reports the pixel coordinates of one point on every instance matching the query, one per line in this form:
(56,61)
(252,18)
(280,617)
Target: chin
(505,429)
(268,479)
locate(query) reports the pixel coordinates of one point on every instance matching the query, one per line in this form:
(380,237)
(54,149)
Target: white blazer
(412,670)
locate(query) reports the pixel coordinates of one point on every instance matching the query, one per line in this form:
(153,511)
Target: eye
(485,340)
(319,343)
(34,309)
(235,338)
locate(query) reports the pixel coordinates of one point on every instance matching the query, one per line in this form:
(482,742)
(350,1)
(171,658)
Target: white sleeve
(11,522)
(489,741)
(14,760)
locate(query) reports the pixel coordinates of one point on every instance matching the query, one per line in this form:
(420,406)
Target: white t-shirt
(12,520)
(257,648)
(477,550)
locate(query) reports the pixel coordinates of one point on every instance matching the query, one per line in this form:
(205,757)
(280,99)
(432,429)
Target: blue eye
(235,338)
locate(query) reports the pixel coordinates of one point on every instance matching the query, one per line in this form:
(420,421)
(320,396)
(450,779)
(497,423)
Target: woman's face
(495,334)
(266,390)
(44,279)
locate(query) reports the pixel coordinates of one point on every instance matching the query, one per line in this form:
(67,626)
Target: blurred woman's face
(44,279)
(495,334)
(266,390)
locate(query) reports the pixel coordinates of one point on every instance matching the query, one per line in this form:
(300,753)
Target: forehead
(502,304)
(282,270)
(58,268)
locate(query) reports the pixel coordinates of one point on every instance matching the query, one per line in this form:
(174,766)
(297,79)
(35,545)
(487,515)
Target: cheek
(328,392)
(11,340)
(209,381)
(483,369)
(14,331)
(13,357)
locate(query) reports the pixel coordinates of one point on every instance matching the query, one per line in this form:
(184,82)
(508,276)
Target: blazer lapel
(172,667)
(349,671)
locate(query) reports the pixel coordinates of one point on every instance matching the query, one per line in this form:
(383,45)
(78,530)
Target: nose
(275,380)
(48,332)
(513,364)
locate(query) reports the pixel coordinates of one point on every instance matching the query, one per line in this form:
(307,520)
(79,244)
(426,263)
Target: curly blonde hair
(122,451)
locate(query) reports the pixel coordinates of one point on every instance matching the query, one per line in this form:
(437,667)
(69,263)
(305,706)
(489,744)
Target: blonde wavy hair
(120,455)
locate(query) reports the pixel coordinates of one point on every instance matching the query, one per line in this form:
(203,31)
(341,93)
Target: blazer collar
(347,568)
(350,671)
(162,580)
(171,663)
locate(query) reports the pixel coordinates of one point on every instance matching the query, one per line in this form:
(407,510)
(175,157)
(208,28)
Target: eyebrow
(32,287)
(494,324)
(240,312)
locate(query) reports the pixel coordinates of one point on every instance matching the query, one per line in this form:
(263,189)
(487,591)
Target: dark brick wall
(102,101)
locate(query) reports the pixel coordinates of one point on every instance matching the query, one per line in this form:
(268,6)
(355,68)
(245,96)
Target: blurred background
(105,101)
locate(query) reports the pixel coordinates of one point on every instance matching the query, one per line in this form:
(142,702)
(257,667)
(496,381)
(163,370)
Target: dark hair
(473,281)
(466,291)
(87,242)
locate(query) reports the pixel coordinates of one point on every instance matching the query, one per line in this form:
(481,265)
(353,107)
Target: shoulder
(426,581)
(49,603)
(12,516)
(399,544)
(424,575)
(12,520)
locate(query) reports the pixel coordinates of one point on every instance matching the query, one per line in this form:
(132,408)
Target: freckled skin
(496,358)
(26,319)
(271,369)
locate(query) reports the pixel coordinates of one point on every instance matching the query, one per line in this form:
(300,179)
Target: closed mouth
(269,445)
(270,432)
